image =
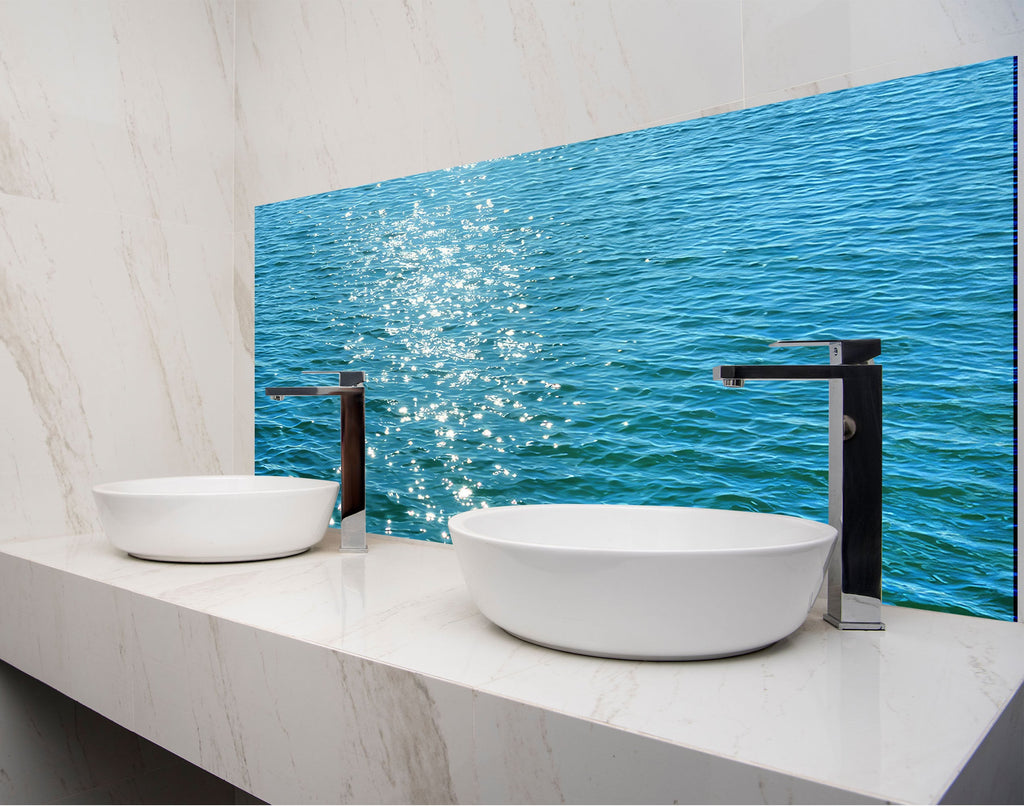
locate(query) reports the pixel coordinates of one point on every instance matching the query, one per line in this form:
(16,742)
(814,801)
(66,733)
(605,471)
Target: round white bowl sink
(641,582)
(210,519)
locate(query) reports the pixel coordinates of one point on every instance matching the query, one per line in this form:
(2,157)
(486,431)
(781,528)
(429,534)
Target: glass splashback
(542,327)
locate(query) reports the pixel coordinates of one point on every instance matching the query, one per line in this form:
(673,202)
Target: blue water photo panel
(542,328)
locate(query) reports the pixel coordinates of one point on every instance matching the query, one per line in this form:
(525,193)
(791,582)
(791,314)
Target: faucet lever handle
(841,351)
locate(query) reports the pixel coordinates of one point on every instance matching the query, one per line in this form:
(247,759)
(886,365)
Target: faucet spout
(351,394)
(854,469)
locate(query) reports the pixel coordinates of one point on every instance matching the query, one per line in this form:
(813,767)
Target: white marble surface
(116,250)
(328,677)
(805,47)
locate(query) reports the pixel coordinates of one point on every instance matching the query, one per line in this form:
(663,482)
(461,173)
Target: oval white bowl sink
(209,519)
(641,582)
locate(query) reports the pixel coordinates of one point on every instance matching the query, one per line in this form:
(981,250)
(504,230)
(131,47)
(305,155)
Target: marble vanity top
(317,659)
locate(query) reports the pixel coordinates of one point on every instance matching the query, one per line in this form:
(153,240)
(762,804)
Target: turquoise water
(543,327)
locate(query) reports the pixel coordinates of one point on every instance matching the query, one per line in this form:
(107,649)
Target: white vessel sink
(215,518)
(652,583)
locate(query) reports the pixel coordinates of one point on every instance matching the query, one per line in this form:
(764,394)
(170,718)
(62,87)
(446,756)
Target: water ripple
(542,327)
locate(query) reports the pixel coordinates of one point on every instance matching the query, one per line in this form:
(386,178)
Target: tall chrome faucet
(351,393)
(854,470)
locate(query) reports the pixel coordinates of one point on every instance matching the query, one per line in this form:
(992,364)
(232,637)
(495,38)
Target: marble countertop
(894,715)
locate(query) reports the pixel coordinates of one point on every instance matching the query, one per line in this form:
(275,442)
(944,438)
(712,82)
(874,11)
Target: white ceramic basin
(652,583)
(215,518)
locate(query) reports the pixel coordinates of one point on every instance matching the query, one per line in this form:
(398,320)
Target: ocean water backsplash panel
(543,327)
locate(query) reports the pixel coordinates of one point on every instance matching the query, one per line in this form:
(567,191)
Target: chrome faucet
(854,587)
(351,393)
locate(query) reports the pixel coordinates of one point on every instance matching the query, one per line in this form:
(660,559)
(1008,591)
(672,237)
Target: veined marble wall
(337,94)
(116,206)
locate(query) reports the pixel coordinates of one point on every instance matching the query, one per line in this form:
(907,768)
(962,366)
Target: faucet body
(854,587)
(351,394)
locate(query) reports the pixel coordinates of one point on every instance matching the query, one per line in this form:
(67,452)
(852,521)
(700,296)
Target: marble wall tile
(324,91)
(117,312)
(101,110)
(804,47)
(508,78)
(335,95)
(243,338)
(116,339)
